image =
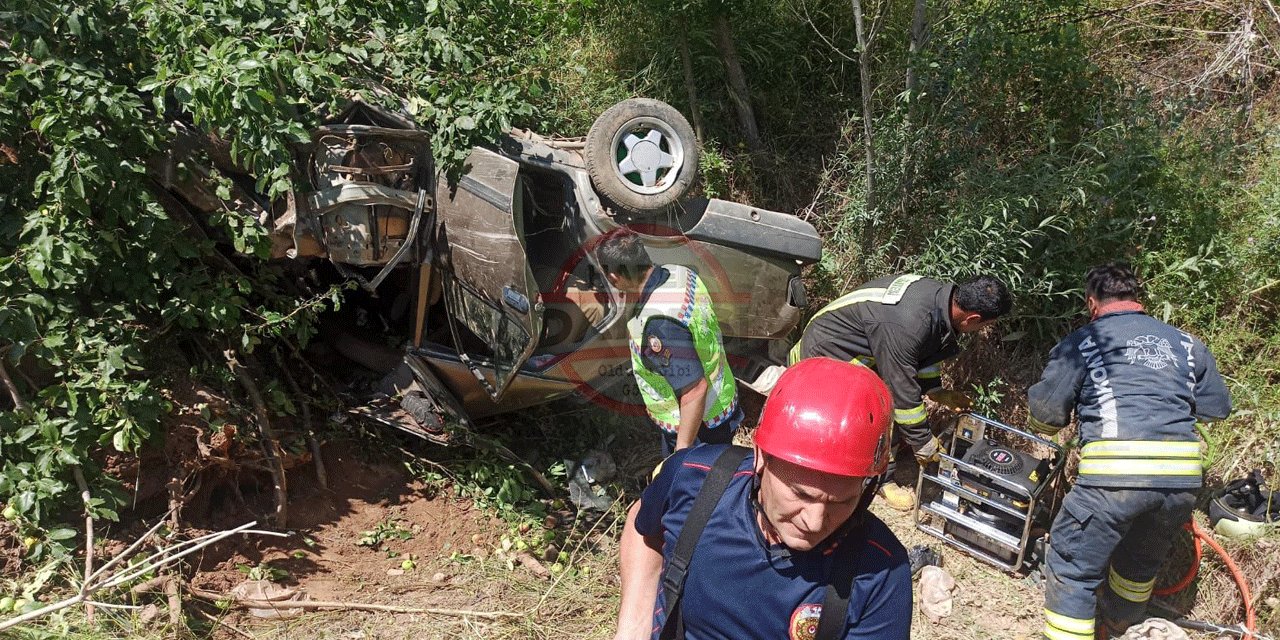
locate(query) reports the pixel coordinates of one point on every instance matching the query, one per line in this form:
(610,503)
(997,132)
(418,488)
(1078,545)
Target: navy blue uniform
(1137,387)
(740,587)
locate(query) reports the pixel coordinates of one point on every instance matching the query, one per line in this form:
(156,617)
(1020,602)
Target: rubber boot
(898,497)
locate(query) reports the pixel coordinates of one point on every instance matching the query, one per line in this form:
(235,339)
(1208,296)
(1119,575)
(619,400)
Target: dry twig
(220,622)
(349,606)
(100,579)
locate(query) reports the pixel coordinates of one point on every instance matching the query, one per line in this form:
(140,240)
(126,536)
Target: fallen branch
(348,606)
(100,580)
(173,593)
(270,446)
(531,563)
(156,584)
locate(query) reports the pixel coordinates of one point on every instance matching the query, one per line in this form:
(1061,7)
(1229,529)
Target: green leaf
(120,441)
(24,501)
(61,534)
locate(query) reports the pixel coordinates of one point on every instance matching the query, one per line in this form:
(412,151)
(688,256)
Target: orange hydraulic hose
(1250,619)
(1198,535)
(1192,571)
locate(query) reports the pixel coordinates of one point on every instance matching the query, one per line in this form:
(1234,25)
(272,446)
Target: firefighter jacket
(1137,386)
(898,325)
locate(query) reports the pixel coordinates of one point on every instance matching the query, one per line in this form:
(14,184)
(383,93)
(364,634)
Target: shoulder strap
(840,581)
(835,604)
(713,487)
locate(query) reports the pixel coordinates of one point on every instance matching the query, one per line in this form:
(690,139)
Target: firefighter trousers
(1105,549)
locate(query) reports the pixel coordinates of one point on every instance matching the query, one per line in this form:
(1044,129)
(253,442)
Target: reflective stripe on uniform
(930,372)
(1060,627)
(864,361)
(1139,467)
(1138,592)
(891,294)
(914,415)
(1140,449)
(1140,458)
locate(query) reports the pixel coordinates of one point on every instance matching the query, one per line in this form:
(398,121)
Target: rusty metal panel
(480,244)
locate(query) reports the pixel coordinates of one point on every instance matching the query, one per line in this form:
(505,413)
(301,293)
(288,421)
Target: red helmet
(829,416)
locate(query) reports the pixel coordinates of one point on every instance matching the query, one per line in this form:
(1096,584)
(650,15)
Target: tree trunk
(864,72)
(686,62)
(913,92)
(913,52)
(737,81)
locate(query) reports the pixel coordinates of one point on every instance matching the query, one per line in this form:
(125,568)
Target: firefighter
(903,327)
(777,542)
(677,354)
(1137,386)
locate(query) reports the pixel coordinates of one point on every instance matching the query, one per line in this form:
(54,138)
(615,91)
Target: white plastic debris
(763,384)
(937,593)
(1155,629)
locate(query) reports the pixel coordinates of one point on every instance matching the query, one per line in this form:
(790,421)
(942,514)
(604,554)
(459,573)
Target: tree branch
(270,446)
(19,404)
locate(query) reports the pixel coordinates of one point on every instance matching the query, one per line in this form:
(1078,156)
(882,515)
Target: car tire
(642,155)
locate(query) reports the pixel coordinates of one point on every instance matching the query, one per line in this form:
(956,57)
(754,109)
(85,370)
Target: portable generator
(984,495)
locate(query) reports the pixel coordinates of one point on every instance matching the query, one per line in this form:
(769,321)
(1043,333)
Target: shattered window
(507,339)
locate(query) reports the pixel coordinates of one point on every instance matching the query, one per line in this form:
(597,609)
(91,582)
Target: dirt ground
(459,564)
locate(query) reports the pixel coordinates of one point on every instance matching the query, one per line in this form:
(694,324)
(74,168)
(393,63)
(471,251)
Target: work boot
(898,497)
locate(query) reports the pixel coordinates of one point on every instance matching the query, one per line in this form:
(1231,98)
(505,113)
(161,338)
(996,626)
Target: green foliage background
(97,281)
(1039,143)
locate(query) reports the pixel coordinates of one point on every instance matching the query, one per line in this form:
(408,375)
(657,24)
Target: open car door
(488,286)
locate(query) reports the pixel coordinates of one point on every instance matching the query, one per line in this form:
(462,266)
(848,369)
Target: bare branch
(809,20)
(269,444)
(97,581)
(350,606)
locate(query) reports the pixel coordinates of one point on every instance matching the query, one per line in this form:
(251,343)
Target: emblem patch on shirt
(804,622)
(1152,351)
(655,344)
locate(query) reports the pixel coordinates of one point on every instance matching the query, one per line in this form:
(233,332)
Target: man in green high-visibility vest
(677,353)
(903,326)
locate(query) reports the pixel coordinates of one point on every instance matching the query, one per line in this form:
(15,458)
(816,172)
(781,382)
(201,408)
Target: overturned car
(488,279)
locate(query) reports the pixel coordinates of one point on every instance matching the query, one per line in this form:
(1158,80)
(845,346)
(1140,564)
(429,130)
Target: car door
(488,287)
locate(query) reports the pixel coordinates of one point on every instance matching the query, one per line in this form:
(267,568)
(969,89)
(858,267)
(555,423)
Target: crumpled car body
(490,276)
